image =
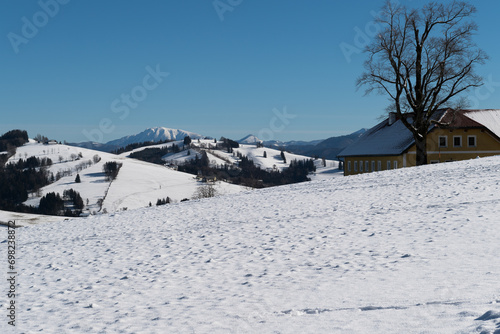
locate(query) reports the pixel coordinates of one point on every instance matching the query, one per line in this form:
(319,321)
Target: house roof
(489,118)
(384,139)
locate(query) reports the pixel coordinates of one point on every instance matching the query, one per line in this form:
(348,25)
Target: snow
(412,250)
(489,118)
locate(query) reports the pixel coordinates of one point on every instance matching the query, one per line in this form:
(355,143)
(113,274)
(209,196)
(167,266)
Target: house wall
(376,160)
(486,145)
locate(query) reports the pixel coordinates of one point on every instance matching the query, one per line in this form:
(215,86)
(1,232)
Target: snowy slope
(403,251)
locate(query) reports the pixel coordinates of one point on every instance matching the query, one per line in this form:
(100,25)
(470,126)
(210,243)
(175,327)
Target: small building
(456,135)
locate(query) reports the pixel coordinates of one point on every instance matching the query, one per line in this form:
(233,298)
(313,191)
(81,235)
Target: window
(471,141)
(367,166)
(443,141)
(355,166)
(457,141)
(361,166)
(379,165)
(348,166)
(395,164)
(373,166)
(434,161)
(388,165)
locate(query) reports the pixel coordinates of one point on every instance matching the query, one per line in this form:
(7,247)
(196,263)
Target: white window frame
(379,165)
(475,141)
(459,137)
(367,166)
(349,166)
(395,164)
(445,141)
(355,166)
(388,164)
(361,166)
(373,165)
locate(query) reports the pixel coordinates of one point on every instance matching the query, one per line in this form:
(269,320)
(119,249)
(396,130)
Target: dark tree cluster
(51,204)
(14,138)
(70,204)
(76,200)
(41,139)
(163,201)
(282,154)
(227,144)
(15,185)
(196,165)
(3,159)
(111,169)
(155,155)
(33,162)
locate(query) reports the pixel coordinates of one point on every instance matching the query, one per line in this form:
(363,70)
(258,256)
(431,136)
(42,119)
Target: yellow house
(467,134)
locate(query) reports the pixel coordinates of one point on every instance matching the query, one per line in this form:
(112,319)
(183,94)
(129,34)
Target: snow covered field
(412,250)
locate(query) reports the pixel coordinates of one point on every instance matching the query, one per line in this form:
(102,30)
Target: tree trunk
(421,145)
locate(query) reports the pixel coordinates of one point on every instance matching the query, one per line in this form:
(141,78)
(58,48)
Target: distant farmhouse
(466,134)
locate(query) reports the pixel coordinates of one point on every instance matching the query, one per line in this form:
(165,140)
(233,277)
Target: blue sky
(270,68)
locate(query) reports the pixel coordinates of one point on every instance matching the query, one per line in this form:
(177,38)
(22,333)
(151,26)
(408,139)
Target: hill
(403,251)
(137,184)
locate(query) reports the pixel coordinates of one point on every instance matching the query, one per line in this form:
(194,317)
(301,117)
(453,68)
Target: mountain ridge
(154,134)
(323,148)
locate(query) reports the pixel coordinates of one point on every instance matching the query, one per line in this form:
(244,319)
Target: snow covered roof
(382,139)
(385,139)
(489,118)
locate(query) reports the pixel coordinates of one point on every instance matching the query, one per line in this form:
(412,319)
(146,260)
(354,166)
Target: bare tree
(205,191)
(422,59)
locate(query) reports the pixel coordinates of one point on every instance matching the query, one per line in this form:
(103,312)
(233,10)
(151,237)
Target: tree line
(249,174)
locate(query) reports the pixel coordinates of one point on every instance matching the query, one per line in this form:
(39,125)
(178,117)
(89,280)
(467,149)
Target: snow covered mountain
(250,139)
(413,250)
(152,134)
